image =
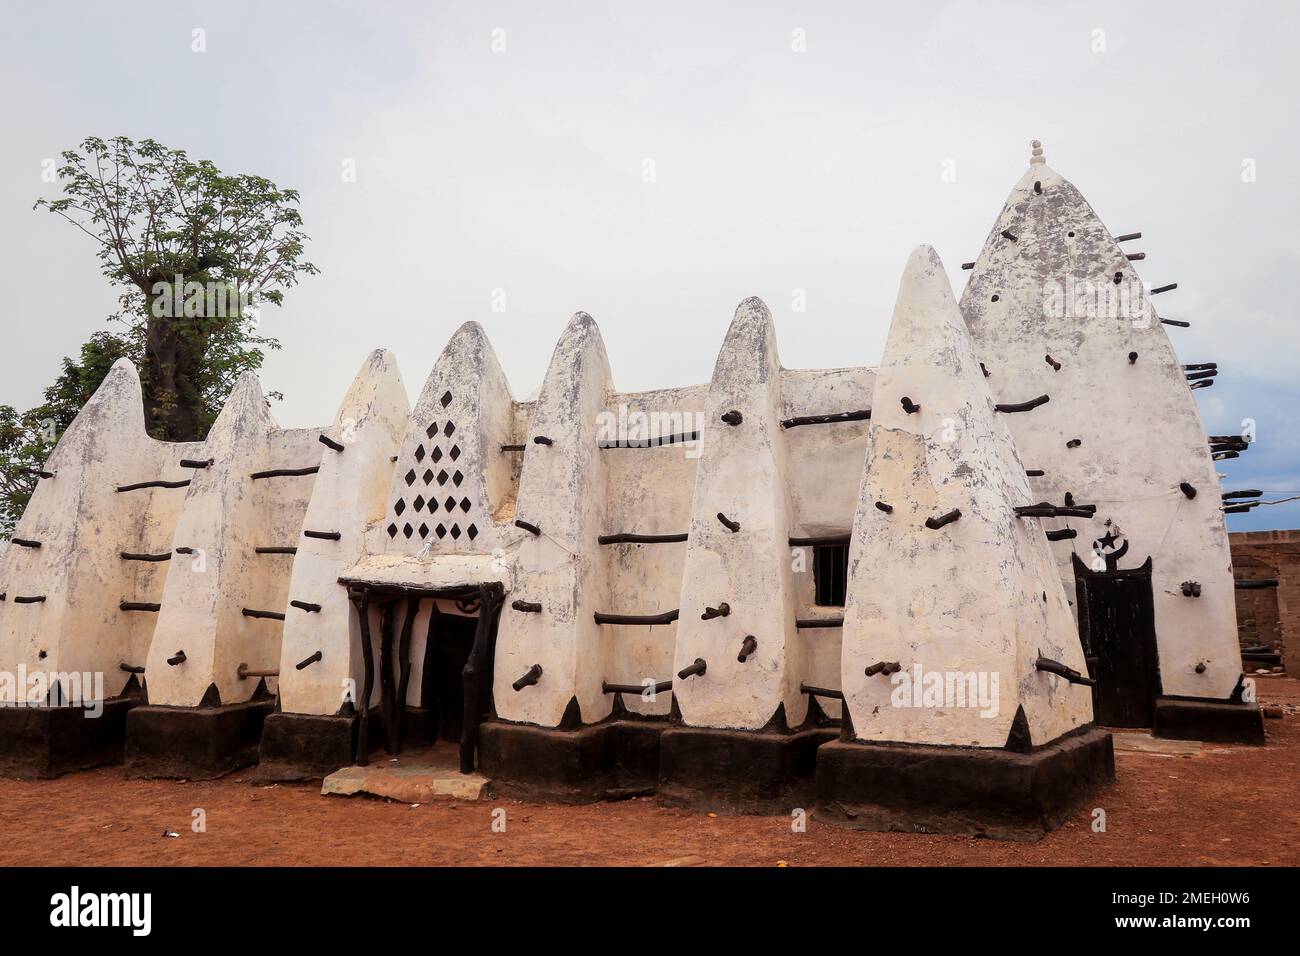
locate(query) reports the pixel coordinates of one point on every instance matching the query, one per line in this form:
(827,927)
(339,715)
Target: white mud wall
(824,472)
(649,492)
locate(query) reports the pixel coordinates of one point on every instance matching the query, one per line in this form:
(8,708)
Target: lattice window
(438,445)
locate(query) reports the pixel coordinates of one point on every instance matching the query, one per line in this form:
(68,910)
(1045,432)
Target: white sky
(774,170)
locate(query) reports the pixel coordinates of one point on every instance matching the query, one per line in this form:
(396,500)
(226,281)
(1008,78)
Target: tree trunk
(171,405)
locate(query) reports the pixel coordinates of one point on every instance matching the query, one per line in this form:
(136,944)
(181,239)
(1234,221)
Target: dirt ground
(1223,805)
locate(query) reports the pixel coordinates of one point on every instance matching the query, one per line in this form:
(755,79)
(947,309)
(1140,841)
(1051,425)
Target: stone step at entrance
(415,777)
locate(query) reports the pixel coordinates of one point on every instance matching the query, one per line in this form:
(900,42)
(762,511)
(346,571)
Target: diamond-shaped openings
(442,477)
(400,507)
(428,475)
(455,531)
(458,478)
(424,530)
(419,453)
(472,532)
(419,502)
(392,531)
(448,428)
(433,505)
(455,452)
(446,399)
(436,455)
(408,530)
(432,429)
(441,531)
(464,504)
(450,503)
(410,477)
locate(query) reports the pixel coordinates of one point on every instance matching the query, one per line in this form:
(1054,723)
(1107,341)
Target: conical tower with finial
(1056,308)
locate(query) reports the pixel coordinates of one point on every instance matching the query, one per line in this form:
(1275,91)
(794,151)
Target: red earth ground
(1223,805)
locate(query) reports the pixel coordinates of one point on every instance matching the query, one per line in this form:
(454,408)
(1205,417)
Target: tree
(196,252)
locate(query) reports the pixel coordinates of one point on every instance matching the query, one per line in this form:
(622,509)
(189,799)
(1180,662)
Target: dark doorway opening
(442,684)
(1117,628)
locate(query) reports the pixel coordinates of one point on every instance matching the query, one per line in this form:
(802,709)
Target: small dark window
(831,574)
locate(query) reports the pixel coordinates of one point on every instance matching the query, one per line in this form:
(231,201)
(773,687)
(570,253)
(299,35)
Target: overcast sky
(655,163)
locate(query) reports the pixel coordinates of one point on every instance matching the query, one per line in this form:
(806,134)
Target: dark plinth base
(305,746)
(1213,720)
(597,762)
(726,771)
(49,741)
(194,743)
(736,771)
(966,790)
(311,746)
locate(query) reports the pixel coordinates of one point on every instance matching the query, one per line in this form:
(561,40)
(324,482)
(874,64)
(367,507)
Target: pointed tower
(311,735)
(956,628)
(1056,308)
(216,646)
(217,535)
(77,582)
(738,703)
(560,566)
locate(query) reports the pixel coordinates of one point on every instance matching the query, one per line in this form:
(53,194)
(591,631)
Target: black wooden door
(1117,628)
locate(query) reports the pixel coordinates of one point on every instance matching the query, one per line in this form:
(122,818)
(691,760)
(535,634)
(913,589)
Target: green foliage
(196,254)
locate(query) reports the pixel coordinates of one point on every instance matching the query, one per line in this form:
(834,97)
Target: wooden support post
(429,699)
(362,601)
(387,687)
(476,671)
(404,666)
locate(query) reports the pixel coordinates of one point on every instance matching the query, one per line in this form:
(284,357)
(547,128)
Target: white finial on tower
(1037,155)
